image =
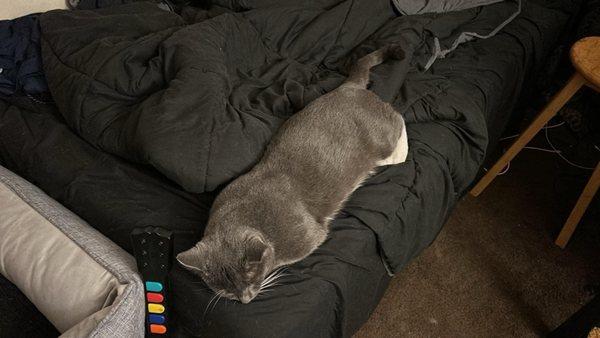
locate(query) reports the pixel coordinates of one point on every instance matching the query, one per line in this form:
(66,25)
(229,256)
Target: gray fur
(279,212)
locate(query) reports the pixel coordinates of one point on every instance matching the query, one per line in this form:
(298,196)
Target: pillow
(82,282)
(13,9)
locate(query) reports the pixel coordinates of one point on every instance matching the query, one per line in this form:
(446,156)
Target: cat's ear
(256,252)
(256,249)
(194,258)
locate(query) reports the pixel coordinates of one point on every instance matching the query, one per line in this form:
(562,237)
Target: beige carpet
(494,270)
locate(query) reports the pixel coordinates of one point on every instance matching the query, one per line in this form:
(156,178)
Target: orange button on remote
(158,329)
(154,297)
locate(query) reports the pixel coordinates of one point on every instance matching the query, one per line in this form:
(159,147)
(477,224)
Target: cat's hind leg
(400,152)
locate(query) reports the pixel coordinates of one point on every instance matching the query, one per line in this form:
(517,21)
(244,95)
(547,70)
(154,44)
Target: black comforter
(156,111)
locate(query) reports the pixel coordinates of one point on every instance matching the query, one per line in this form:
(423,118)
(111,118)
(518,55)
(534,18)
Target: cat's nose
(246,296)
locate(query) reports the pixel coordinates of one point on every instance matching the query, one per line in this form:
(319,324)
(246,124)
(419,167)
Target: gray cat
(279,212)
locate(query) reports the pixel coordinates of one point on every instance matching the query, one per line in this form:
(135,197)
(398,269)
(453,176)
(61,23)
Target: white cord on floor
(558,152)
(553,150)
(544,149)
(504,171)
(546,127)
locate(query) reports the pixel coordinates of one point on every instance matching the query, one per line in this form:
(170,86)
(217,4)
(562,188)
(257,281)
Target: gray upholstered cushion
(13,9)
(85,284)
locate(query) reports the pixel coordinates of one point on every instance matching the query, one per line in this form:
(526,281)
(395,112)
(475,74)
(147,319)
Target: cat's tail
(359,73)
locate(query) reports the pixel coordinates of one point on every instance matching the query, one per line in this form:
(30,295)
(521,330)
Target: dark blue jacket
(21,68)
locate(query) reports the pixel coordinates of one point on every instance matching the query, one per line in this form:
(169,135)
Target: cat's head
(233,265)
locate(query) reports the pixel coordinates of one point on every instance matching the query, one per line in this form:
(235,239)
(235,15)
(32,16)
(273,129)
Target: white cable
(554,125)
(505,169)
(543,149)
(546,127)
(509,137)
(553,150)
(558,152)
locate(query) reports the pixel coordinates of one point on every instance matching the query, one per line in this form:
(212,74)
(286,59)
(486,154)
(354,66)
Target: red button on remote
(153,297)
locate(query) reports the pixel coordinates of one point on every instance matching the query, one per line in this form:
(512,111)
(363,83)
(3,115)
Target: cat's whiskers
(271,280)
(201,291)
(218,294)
(268,280)
(269,288)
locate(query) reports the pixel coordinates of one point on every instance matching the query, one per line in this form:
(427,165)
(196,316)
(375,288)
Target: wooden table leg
(557,102)
(582,203)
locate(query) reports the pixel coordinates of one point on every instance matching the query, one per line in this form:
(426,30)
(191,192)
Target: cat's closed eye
(250,275)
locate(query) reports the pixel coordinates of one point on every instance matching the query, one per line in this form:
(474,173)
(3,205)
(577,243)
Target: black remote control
(153,248)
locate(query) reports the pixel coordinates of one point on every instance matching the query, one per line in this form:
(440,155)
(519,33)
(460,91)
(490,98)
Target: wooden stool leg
(557,102)
(582,203)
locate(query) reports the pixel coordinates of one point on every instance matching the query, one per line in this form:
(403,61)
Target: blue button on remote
(156,319)
(154,286)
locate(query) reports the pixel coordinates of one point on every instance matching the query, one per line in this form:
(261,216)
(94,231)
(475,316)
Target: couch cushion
(14,9)
(82,282)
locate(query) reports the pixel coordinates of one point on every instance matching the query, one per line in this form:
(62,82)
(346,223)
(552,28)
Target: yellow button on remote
(155,308)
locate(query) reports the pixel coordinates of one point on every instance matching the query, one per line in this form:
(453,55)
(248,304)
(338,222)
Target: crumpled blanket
(199,100)
(411,7)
